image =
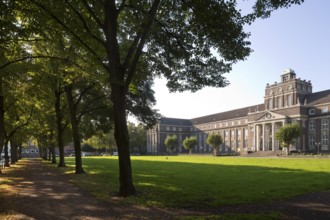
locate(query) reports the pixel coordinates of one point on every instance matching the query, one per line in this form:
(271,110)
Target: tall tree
(134,41)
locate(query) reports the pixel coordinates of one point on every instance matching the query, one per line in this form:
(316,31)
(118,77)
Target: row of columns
(264,136)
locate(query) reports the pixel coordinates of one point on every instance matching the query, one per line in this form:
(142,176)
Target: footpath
(38,191)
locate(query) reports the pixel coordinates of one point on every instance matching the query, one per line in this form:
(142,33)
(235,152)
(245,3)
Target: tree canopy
(171,142)
(214,140)
(287,134)
(189,143)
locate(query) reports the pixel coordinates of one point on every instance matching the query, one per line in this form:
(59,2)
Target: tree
(102,141)
(134,41)
(171,142)
(137,138)
(189,143)
(214,140)
(287,135)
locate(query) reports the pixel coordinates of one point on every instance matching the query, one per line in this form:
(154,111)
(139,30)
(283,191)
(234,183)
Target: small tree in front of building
(214,140)
(287,135)
(189,143)
(171,142)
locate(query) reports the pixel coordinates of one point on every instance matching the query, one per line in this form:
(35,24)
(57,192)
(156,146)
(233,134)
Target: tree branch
(145,31)
(82,94)
(84,22)
(36,57)
(68,30)
(91,12)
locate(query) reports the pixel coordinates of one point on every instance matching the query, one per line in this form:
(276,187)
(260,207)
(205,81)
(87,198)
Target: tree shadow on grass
(183,188)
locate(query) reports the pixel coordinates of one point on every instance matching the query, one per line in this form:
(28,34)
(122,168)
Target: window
(167,128)
(279,102)
(270,103)
(289,100)
(174,128)
(311,140)
(232,133)
(325,139)
(239,133)
(312,111)
(312,125)
(180,129)
(325,123)
(324,109)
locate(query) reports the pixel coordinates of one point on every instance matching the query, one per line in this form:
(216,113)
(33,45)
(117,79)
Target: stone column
(263,137)
(257,137)
(254,137)
(273,136)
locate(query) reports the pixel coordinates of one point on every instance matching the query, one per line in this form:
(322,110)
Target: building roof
(317,98)
(175,121)
(236,113)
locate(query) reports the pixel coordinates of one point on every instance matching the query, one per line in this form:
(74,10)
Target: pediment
(270,116)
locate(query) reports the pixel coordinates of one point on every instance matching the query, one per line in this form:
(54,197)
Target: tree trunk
(52,146)
(75,130)
(215,151)
(44,152)
(20,150)
(59,128)
(6,154)
(13,150)
(49,153)
(122,139)
(2,117)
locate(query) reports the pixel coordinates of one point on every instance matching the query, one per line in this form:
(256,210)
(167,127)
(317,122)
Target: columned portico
(264,135)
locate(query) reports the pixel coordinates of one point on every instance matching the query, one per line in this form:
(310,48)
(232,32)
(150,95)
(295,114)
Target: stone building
(253,128)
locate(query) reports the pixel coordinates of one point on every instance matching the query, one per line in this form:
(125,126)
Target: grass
(262,216)
(202,181)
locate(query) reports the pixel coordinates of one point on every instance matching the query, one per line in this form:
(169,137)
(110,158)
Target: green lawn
(203,181)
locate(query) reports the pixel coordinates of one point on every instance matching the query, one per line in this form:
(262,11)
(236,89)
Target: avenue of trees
(72,68)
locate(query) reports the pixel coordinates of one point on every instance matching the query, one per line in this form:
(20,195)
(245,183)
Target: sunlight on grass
(203,181)
(262,216)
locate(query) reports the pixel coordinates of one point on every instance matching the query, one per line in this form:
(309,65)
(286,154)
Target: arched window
(289,100)
(270,103)
(279,102)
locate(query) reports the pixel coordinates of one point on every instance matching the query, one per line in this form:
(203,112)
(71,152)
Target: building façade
(253,128)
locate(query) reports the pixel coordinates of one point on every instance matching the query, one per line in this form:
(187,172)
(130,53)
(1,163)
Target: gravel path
(41,192)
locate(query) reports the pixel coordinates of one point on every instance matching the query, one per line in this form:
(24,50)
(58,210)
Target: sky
(296,38)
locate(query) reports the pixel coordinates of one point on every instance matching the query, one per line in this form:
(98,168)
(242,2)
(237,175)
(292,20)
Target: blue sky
(296,38)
